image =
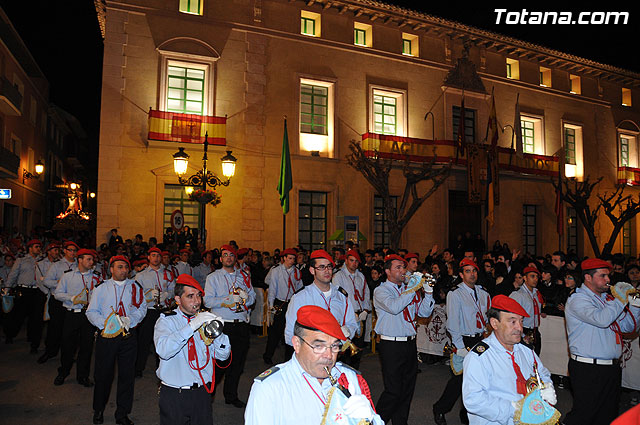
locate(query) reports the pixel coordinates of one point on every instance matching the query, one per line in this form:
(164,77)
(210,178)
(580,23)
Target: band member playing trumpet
(187,358)
(595,322)
(301,391)
(74,292)
(230,297)
(398,307)
(352,280)
(119,302)
(283,280)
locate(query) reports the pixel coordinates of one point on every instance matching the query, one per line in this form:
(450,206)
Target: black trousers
(399,370)
(55,326)
(145,338)
(596,393)
(276,331)
(231,369)
(29,305)
(185,407)
(77,335)
(537,339)
(453,390)
(109,351)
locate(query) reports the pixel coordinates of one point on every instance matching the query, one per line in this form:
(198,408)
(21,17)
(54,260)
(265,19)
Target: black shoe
(236,403)
(124,421)
(267,360)
(439,418)
(463,417)
(43,358)
(59,381)
(98,417)
(85,382)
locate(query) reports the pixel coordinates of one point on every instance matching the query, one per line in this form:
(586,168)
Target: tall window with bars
(185,90)
(528,136)
(572,230)
(626,238)
(385,115)
(175,198)
(570,145)
(191,6)
(312,219)
(381,234)
(359,37)
(469,124)
(406,47)
(624,151)
(307,26)
(529,230)
(313,109)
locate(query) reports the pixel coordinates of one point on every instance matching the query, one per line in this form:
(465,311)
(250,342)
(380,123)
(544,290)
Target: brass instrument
(240,305)
(449,349)
(353,350)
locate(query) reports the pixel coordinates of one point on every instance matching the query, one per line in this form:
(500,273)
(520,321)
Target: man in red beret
(596,320)
(296,392)
(187,360)
(283,281)
(322,294)
(53,306)
(352,280)
(413,261)
(531,300)
(467,307)
(497,368)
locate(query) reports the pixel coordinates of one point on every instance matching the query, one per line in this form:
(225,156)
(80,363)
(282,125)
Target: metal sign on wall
(177,220)
(5,193)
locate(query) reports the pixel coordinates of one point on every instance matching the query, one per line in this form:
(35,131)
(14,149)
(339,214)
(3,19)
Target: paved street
(28,396)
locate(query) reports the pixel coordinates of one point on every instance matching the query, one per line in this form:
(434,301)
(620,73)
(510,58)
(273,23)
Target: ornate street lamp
(38,170)
(203,178)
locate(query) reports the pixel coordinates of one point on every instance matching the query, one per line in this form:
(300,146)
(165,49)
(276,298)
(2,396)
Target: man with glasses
(228,296)
(322,294)
(297,392)
(29,302)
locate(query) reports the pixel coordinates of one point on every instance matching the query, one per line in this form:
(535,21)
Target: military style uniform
(201,271)
(184,268)
(360,298)
(186,369)
(219,299)
(48,284)
(396,325)
(532,303)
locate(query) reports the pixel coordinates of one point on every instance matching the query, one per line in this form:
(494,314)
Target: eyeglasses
(321,348)
(227,254)
(323,267)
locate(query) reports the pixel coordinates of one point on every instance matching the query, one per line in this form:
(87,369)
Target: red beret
(317,318)
(467,262)
(321,253)
(595,263)
(53,245)
(185,251)
(530,269)
(34,242)
(188,280)
(395,257)
(94,253)
(504,303)
(67,243)
(243,251)
(353,253)
(119,258)
(288,251)
(154,249)
(411,255)
(229,248)
(85,251)
(166,253)
(207,252)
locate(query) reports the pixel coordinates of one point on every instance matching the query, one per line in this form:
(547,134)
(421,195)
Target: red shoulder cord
(246,277)
(364,388)
(135,300)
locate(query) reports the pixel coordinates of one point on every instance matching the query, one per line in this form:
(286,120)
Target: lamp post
(39,169)
(203,178)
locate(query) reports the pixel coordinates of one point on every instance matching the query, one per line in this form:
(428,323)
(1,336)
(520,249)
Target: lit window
(513,69)
(362,34)
(570,145)
(309,23)
(532,134)
(545,77)
(316,117)
(626,97)
(388,111)
(574,166)
(628,151)
(191,6)
(575,84)
(624,151)
(185,90)
(410,44)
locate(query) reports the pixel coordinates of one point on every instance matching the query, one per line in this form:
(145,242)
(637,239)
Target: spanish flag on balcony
(187,128)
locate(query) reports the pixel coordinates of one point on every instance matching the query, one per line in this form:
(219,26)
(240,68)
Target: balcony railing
(10,98)
(9,163)
(187,128)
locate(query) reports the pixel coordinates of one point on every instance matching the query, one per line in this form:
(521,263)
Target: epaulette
(170,313)
(267,373)
(138,283)
(67,271)
(346,366)
(480,348)
(343,291)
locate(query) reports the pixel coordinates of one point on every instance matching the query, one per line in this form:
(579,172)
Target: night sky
(64,38)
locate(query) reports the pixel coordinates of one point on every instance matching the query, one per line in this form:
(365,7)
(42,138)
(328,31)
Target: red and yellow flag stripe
(187,128)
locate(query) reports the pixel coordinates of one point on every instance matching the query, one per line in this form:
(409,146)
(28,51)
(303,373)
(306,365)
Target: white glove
(548,394)
(363,316)
(621,290)
(358,407)
(202,318)
(155,293)
(126,322)
(345,331)
(462,352)
(427,288)
(243,294)
(236,298)
(634,301)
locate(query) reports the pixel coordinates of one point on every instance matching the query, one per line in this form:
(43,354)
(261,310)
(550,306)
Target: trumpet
(353,350)
(239,306)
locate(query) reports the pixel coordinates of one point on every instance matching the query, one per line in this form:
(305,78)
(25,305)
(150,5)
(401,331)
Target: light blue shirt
(353,283)
(201,271)
(489,381)
(106,297)
(170,336)
(465,315)
(277,280)
(526,299)
(55,272)
(41,271)
(588,317)
(72,283)
(184,268)
(390,306)
(23,273)
(218,290)
(160,279)
(336,302)
(286,396)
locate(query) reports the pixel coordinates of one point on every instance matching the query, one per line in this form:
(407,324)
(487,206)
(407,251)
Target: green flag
(286,181)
